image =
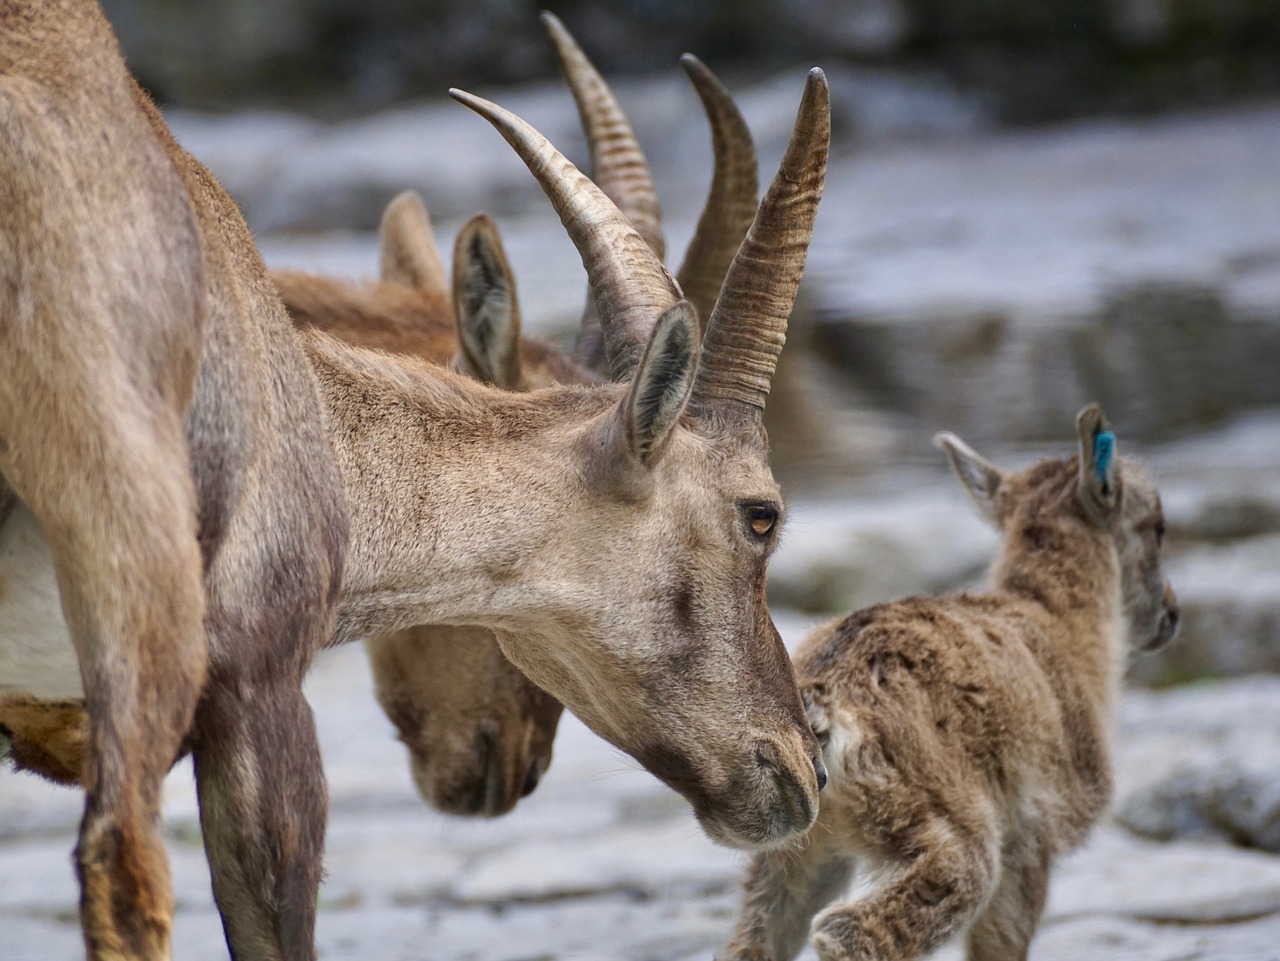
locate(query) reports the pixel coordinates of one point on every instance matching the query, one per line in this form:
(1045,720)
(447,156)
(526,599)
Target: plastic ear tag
(1104,448)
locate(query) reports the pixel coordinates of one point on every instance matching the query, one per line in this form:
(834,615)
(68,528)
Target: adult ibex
(479,734)
(191,468)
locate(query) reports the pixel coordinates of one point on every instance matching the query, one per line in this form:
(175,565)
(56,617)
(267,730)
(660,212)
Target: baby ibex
(216,496)
(967,736)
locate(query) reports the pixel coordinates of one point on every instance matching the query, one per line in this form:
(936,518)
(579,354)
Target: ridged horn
(748,326)
(628,283)
(618,165)
(731,202)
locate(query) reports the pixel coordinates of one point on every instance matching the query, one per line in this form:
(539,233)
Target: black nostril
(820,769)
(530,781)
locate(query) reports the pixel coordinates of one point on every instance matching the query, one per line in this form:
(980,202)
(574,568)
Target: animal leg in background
(785,888)
(1004,929)
(263,804)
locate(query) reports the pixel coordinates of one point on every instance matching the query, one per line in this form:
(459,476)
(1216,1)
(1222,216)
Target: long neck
(449,485)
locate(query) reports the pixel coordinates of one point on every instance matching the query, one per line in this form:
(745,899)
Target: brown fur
(478,732)
(49,738)
(160,418)
(967,736)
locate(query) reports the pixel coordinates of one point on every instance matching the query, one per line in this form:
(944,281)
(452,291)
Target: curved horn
(618,165)
(731,202)
(629,285)
(748,326)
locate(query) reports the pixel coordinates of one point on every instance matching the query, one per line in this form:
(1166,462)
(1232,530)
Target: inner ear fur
(485,304)
(1098,484)
(662,383)
(980,478)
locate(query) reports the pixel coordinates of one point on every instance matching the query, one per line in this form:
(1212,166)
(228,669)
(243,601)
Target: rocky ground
(986,283)
(602,862)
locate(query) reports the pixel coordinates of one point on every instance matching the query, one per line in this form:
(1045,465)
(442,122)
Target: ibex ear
(407,251)
(980,477)
(1099,483)
(484,301)
(663,382)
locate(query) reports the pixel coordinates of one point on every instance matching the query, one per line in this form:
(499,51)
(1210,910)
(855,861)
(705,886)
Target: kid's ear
(662,383)
(485,304)
(1099,483)
(407,251)
(980,477)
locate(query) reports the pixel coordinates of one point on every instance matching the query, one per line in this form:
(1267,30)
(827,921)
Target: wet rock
(997,286)
(1235,800)
(1202,763)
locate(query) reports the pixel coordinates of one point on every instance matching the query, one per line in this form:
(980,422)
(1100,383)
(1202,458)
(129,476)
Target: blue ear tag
(1104,448)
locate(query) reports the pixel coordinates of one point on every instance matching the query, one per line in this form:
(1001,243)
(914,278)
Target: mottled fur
(967,736)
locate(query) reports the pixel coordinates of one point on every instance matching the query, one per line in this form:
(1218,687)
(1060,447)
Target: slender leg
(785,888)
(263,803)
(1004,929)
(917,908)
(120,522)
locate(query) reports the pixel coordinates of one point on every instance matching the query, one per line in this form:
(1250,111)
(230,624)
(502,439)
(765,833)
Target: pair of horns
(619,168)
(631,288)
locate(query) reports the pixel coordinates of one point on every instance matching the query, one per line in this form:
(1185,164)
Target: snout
(1170,616)
(772,797)
(486,780)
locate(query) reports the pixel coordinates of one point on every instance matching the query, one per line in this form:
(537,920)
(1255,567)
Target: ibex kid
(966,736)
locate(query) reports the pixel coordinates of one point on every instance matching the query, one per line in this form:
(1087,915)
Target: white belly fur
(37,657)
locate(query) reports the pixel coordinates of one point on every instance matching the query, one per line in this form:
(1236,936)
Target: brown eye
(761,519)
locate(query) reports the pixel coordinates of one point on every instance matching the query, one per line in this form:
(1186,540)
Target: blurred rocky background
(1036,59)
(1031,204)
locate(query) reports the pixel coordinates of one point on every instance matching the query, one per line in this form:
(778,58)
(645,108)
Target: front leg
(785,888)
(263,803)
(919,906)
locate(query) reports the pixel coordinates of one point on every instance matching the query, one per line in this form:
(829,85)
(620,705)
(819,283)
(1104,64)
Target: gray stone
(1201,763)
(1121,877)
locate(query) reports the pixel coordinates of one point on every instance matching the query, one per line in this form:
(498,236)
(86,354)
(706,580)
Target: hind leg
(116,506)
(1004,929)
(927,899)
(785,888)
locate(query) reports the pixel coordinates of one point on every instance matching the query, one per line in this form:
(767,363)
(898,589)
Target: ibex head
(652,624)
(1039,508)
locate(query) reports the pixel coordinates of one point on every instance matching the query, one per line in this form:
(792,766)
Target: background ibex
(478,732)
(162,423)
(968,736)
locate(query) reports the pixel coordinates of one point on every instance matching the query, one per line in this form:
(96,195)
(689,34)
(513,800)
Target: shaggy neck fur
(1054,557)
(448,483)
